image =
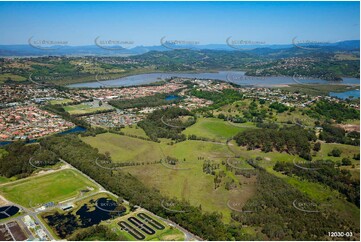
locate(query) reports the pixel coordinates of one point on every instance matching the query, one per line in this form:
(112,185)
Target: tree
(317,146)
(346,162)
(335,152)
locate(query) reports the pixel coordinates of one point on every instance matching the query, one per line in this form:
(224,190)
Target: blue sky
(145,23)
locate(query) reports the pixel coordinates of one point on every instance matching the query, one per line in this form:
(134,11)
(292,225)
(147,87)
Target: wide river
(237,77)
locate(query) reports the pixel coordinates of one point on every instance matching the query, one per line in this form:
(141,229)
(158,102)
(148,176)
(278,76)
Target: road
(188,235)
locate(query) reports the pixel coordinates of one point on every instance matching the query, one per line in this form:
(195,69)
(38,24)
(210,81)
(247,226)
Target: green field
(167,234)
(189,182)
(124,148)
(53,187)
(60,101)
(12,77)
(82,109)
(134,130)
(216,129)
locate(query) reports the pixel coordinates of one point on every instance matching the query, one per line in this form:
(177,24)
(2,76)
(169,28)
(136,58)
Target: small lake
(352,94)
(76,129)
(171,97)
(89,214)
(237,77)
(101,212)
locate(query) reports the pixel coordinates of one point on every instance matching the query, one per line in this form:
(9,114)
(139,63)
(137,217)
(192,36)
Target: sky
(145,23)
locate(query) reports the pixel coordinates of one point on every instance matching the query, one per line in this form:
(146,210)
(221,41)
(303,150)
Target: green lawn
(214,128)
(55,187)
(60,101)
(83,109)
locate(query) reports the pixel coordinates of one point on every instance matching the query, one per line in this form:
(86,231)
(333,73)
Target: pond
(171,97)
(90,213)
(8,211)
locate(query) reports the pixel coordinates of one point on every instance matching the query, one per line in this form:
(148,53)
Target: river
(237,77)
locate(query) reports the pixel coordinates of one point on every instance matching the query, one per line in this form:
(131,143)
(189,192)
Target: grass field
(60,101)
(189,182)
(83,109)
(134,130)
(347,152)
(124,148)
(214,128)
(12,77)
(167,234)
(53,187)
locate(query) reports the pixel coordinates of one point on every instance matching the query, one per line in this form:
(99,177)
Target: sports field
(60,101)
(53,187)
(83,109)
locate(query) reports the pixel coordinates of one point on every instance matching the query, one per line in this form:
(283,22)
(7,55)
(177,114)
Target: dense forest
(21,159)
(156,100)
(326,173)
(332,110)
(293,140)
(273,210)
(96,232)
(167,123)
(219,99)
(334,134)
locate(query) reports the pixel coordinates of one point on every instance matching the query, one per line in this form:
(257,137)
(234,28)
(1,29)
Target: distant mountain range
(94,50)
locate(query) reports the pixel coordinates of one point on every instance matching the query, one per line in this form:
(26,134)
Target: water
(354,94)
(89,214)
(237,77)
(8,211)
(76,129)
(97,215)
(171,97)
